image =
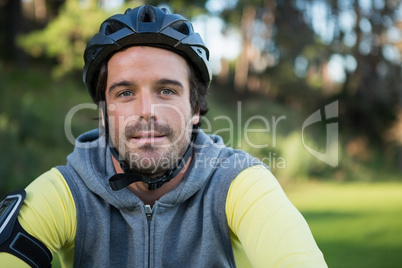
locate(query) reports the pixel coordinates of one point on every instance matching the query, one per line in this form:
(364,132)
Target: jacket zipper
(148,214)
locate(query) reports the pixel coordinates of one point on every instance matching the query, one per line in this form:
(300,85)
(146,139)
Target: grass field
(355,224)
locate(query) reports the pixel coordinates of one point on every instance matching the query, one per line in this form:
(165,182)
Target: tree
(64,39)
(10,26)
(18,17)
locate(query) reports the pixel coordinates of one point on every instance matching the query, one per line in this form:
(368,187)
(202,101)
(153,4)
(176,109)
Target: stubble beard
(152,159)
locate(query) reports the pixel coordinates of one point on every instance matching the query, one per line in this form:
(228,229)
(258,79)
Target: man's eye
(126,94)
(166,91)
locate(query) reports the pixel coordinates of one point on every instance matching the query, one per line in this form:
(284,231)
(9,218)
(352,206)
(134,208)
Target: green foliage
(299,162)
(32,115)
(65,38)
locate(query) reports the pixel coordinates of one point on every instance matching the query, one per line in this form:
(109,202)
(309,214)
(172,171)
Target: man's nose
(146,106)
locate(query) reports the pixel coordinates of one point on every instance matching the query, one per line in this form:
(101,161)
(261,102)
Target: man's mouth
(148,134)
(147,137)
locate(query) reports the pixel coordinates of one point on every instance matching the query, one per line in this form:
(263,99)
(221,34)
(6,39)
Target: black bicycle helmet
(145,25)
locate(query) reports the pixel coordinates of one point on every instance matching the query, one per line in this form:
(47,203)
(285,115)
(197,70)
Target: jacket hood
(92,160)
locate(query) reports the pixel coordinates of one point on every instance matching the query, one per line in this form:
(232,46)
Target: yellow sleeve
(49,214)
(266,229)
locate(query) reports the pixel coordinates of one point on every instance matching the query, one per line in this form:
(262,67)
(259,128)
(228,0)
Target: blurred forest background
(281,60)
(275,60)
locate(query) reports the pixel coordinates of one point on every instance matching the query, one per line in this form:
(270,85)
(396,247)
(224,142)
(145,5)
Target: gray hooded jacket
(187,228)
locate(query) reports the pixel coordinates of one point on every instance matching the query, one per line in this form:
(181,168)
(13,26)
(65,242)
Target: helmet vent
(147,15)
(181,26)
(113,27)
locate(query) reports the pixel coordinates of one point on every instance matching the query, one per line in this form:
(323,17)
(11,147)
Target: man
(152,189)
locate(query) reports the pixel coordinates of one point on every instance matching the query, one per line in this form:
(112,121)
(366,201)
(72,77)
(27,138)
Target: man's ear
(196,118)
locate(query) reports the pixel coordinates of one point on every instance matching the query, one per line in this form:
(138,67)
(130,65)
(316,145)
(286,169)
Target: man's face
(148,106)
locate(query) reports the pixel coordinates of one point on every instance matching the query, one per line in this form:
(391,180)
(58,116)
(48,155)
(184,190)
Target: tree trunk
(242,64)
(11,25)
(40,11)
